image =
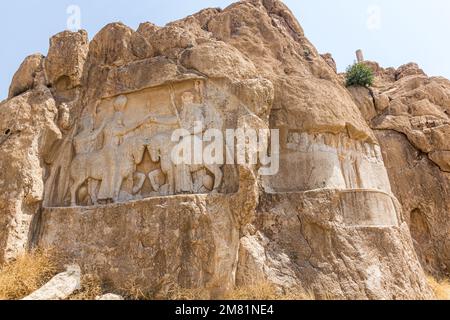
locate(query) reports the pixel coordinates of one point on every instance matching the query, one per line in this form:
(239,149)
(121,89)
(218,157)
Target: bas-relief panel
(121,148)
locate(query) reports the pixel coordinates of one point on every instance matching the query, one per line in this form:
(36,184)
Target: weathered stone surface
(111,199)
(59,287)
(157,243)
(146,73)
(421,187)
(365,101)
(326,161)
(408,70)
(112,45)
(330,61)
(303,240)
(412,125)
(64,64)
(27,130)
(24,78)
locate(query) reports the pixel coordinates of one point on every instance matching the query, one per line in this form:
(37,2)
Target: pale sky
(392,32)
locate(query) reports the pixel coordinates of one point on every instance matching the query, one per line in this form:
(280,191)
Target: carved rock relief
(327,161)
(352,169)
(122,147)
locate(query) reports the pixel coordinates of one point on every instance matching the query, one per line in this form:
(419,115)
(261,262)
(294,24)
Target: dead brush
(91,288)
(27,273)
(441,288)
(267,291)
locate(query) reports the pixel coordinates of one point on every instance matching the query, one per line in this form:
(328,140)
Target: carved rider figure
(195,118)
(113,133)
(86,140)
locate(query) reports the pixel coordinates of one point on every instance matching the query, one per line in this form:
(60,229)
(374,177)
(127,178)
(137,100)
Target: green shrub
(359,75)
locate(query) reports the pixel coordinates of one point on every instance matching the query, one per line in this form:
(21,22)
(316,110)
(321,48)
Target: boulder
(110,297)
(24,78)
(64,64)
(59,287)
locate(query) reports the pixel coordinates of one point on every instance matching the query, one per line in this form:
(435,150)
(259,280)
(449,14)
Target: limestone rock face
(107,192)
(24,78)
(421,187)
(320,241)
(64,63)
(330,61)
(27,131)
(155,244)
(409,113)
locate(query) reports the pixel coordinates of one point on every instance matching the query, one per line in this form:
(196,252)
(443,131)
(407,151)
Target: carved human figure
(160,148)
(195,119)
(203,182)
(113,134)
(113,162)
(86,140)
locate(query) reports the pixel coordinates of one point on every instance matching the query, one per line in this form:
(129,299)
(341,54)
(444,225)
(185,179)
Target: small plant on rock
(359,74)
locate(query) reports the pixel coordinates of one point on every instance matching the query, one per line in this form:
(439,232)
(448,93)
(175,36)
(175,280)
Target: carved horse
(97,166)
(160,149)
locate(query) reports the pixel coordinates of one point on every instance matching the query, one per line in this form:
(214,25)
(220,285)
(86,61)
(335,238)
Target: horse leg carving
(171,181)
(92,189)
(78,181)
(140,177)
(218,176)
(117,187)
(152,176)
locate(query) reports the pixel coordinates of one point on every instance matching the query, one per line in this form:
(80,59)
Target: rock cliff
(409,114)
(85,167)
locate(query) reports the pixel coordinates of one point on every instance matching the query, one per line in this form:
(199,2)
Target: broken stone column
(359,56)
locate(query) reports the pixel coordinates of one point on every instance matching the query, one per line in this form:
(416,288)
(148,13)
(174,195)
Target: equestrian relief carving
(122,150)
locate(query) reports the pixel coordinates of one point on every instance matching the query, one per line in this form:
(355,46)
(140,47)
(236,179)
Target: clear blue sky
(391,32)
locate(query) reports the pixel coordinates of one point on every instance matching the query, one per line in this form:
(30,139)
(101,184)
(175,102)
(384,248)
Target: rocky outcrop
(159,243)
(27,132)
(330,61)
(317,240)
(64,64)
(110,198)
(409,113)
(25,78)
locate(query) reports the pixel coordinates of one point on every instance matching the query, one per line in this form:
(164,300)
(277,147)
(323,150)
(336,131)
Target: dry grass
(177,293)
(267,291)
(91,288)
(441,288)
(27,273)
(32,270)
(261,291)
(133,291)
